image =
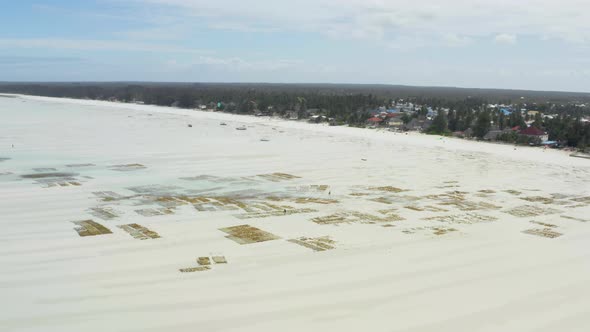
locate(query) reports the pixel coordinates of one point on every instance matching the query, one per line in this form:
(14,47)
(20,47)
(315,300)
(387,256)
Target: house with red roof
(534,132)
(374,121)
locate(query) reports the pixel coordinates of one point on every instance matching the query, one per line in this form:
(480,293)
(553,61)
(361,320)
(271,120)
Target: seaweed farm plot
(209,203)
(428,208)
(513,192)
(574,218)
(108,196)
(219,179)
(467,218)
(139,232)
(306,200)
(265,209)
(90,228)
(154,212)
(44,169)
(389,189)
(218,204)
(530,211)
(104,213)
(54,179)
(246,234)
(543,224)
(539,199)
(458,200)
(583,200)
(355,217)
(155,190)
(449,184)
(316,244)
(127,167)
(194,269)
(486,191)
(436,230)
(204,264)
(543,232)
(383,200)
(219,259)
(319,188)
(277,177)
(79,165)
(203,260)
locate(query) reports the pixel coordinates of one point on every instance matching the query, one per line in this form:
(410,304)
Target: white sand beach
(350,229)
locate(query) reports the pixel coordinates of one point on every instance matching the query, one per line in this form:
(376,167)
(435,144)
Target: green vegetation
(438,111)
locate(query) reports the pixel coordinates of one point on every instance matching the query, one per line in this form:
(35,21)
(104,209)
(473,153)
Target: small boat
(240,128)
(264,140)
(223,124)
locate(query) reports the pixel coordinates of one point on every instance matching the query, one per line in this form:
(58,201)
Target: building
(493,134)
(374,121)
(418,124)
(395,122)
(532,113)
(534,132)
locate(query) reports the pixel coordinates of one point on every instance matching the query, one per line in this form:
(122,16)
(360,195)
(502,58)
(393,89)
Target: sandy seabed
(118,217)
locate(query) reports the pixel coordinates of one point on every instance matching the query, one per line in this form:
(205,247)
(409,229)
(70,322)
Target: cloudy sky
(524,44)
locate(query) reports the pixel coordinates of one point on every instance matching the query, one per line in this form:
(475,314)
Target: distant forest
(349,103)
(166,92)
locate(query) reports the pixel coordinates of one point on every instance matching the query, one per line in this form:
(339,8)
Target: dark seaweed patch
(48,175)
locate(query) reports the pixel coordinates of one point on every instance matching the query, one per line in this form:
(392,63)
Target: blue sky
(533,44)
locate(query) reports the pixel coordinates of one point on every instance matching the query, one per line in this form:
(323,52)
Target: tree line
(348,104)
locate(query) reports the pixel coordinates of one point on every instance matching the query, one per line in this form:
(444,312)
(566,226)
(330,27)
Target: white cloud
(92,45)
(452,39)
(233,63)
(389,19)
(505,38)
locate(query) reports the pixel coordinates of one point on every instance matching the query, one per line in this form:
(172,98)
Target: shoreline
(509,151)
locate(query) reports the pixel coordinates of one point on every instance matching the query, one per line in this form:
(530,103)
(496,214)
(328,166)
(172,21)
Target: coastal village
(402,116)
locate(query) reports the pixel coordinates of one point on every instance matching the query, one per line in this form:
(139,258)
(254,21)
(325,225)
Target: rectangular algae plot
(443,230)
(355,217)
(203,261)
(79,165)
(584,200)
(305,200)
(154,212)
(390,189)
(44,169)
(543,224)
(90,228)
(107,196)
(467,218)
(219,259)
(195,269)
(246,234)
(127,167)
(103,213)
(543,232)
(531,211)
(538,199)
(276,177)
(316,244)
(139,232)
(52,175)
